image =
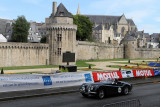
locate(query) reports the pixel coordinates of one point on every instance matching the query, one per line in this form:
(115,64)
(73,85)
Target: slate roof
(129,38)
(155,38)
(99,27)
(99,19)
(131,22)
(3,23)
(146,35)
(62,12)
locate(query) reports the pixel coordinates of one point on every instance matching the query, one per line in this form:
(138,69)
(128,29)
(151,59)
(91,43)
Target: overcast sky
(145,13)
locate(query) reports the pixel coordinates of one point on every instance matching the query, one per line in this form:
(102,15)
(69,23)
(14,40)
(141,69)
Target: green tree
(20,29)
(43,39)
(85,26)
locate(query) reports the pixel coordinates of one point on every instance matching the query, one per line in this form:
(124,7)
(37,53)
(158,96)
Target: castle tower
(78,10)
(61,34)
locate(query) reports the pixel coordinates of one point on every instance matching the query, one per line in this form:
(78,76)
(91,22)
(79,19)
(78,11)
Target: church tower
(61,34)
(78,10)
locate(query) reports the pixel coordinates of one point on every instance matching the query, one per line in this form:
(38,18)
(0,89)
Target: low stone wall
(23,54)
(90,50)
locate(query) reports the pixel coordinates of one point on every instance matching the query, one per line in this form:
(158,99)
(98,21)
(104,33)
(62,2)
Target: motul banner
(143,73)
(99,76)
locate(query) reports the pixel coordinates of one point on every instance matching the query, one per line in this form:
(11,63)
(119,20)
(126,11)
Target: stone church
(110,28)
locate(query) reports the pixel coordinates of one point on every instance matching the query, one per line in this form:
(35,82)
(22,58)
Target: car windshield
(107,81)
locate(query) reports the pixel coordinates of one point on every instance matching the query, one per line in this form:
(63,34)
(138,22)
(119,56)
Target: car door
(116,88)
(108,89)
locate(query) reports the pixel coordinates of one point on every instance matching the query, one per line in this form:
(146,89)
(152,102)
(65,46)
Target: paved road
(148,94)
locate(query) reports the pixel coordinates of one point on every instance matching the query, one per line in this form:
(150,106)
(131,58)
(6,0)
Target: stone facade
(103,33)
(23,54)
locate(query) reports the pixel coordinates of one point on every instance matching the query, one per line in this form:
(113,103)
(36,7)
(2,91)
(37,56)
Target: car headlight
(83,88)
(89,89)
(92,87)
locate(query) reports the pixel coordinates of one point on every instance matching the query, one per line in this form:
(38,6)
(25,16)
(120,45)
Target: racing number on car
(119,89)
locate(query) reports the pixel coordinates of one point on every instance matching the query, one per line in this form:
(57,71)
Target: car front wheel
(84,95)
(101,94)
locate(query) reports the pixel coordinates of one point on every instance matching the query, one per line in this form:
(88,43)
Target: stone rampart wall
(28,54)
(145,53)
(23,54)
(88,50)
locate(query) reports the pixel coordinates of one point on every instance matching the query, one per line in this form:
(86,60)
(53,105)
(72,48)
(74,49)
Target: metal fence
(128,103)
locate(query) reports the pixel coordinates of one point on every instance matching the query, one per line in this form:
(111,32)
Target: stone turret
(61,35)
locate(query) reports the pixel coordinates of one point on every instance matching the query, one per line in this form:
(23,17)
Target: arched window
(122,30)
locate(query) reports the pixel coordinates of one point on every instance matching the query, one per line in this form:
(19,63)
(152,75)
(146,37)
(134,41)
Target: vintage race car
(103,88)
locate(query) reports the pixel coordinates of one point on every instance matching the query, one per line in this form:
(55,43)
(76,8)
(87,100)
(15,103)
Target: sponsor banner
(99,76)
(72,79)
(143,73)
(127,73)
(19,82)
(156,72)
(16,82)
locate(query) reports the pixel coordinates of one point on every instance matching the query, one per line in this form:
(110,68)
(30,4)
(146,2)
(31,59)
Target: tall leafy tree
(85,26)
(20,29)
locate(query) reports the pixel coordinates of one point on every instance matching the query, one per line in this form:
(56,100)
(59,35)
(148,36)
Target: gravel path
(41,70)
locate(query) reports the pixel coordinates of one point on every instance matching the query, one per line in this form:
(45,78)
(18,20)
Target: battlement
(23,45)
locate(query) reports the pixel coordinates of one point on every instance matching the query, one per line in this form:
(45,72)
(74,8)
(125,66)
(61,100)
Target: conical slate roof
(62,12)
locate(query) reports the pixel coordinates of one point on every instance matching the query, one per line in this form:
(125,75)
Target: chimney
(54,9)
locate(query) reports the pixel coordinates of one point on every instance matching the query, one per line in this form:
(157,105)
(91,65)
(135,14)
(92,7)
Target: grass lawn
(84,64)
(28,67)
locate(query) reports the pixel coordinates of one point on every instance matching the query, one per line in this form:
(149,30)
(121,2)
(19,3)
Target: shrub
(64,70)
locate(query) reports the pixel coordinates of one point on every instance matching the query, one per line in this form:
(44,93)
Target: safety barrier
(128,103)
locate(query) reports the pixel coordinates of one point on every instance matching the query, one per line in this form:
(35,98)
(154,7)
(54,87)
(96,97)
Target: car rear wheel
(84,95)
(125,91)
(101,94)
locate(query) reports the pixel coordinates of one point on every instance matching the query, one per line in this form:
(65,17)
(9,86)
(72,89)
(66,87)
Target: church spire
(78,10)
